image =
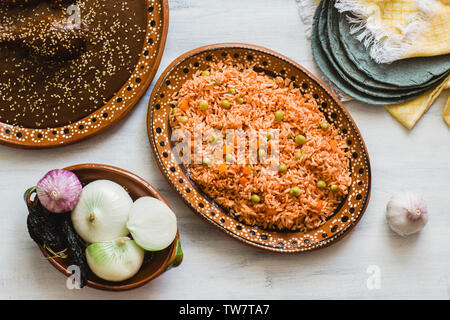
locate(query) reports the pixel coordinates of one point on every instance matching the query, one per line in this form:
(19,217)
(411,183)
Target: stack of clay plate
(347,63)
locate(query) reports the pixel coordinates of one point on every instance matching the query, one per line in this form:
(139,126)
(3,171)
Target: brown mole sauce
(40,93)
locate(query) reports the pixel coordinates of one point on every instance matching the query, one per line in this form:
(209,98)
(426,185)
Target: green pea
(206,161)
(279,115)
(183,119)
(298,155)
(240,100)
(321,184)
(295,191)
(232,90)
(205,73)
(299,139)
(229,157)
(212,139)
(174,110)
(255,198)
(334,187)
(282,168)
(269,135)
(226,104)
(203,105)
(262,153)
(324,125)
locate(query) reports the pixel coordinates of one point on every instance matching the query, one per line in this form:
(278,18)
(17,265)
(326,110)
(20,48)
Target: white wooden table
(216,266)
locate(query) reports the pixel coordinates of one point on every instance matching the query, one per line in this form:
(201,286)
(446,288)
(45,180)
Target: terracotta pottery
(117,107)
(273,64)
(155,263)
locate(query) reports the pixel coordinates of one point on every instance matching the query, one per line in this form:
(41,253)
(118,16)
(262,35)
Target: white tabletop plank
(216,266)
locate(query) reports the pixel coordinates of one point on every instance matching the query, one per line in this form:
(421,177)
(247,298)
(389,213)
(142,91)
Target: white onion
(115,260)
(152,224)
(102,211)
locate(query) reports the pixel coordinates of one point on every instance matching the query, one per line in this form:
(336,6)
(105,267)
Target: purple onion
(59,191)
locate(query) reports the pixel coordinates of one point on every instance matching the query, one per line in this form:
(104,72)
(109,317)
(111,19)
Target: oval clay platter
(273,64)
(117,107)
(155,263)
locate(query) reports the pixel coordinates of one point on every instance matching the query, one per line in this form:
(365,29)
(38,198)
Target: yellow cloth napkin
(447,111)
(399,29)
(408,113)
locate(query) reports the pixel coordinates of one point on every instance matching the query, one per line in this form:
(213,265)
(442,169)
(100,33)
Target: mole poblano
(42,92)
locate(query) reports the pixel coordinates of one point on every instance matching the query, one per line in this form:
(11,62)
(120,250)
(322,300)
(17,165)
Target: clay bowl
(118,106)
(155,263)
(273,64)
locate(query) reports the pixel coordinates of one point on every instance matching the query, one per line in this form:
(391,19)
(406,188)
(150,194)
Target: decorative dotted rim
(117,107)
(338,225)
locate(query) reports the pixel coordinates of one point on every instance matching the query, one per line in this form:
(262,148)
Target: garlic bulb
(406,213)
(115,260)
(102,212)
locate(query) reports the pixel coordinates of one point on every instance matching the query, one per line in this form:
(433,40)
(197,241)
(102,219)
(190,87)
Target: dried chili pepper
(56,232)
(75,248)
(44,228)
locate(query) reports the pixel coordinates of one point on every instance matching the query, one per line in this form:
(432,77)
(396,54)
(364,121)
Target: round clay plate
(117,107)
(155,263)
(273,64)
